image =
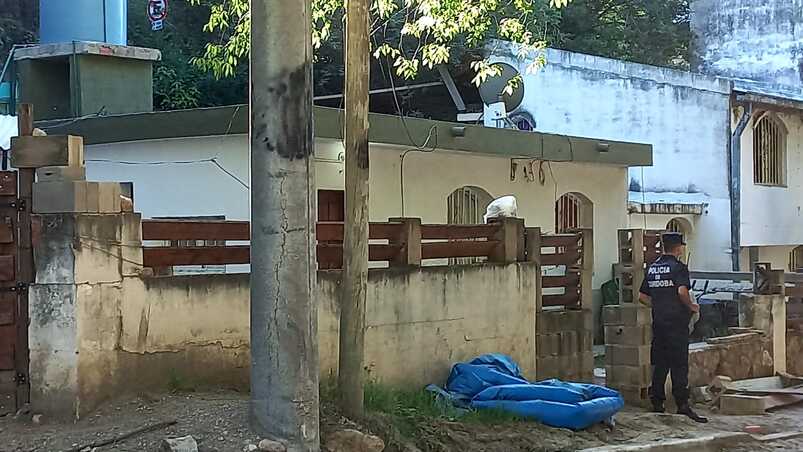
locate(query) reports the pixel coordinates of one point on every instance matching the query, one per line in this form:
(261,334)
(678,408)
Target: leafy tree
(411,34)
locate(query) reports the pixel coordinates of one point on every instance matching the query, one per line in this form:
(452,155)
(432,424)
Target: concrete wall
(772,215)
(754,39)
(192,189)
(95,321)
(683,115)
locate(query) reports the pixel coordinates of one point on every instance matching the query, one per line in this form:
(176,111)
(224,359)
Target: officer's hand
(695,308)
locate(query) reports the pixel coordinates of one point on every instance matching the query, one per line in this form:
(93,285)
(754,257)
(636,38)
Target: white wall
(771,216)
(683,115)
(202,189)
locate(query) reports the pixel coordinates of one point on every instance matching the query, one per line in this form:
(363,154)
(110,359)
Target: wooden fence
(402,242)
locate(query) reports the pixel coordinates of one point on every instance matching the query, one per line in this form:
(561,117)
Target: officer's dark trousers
(670,354)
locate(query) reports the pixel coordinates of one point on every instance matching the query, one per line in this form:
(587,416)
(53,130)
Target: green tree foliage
(644,31)
(18,24)
(412,34)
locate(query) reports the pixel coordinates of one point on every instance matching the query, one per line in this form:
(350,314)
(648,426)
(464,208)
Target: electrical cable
(213,160)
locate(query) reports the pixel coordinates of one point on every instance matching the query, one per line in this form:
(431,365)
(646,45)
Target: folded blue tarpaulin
(494,381)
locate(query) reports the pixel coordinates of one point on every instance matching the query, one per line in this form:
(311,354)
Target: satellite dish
(492,89)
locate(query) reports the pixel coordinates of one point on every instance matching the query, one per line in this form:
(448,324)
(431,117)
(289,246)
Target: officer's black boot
(686,410)
(658,406)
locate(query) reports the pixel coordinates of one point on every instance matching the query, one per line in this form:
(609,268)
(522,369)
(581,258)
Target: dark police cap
(672,239)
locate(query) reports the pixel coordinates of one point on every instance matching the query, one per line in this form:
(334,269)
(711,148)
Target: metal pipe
(736,184)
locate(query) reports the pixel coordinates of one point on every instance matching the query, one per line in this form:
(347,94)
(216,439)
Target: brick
(734,404)
(60,197)
(625,355)
(628,375)
(568,343)
(547,345)
(626,315)
(60,173)
(628,335)
(109,194)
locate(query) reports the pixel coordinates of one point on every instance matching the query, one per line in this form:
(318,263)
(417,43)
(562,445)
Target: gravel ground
(218,422)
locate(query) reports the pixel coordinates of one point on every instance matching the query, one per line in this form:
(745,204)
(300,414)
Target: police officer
(666,287)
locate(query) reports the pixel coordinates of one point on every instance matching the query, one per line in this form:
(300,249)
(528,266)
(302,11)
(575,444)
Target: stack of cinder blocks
(628,334)
(628,326)
(564,345)
(61,185)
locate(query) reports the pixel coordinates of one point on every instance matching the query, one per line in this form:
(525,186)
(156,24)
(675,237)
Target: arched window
(676,225)
(769,150)
(467,205)
(796,260)
(573,211)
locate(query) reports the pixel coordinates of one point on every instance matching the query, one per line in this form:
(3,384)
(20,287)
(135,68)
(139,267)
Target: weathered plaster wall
(772,215)
(98,329)
(755,39)
(683,115)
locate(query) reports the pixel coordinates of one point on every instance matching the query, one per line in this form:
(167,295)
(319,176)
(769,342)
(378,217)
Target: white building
(693,122)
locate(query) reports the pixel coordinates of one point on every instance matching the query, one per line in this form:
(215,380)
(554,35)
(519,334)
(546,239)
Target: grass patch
(408,409)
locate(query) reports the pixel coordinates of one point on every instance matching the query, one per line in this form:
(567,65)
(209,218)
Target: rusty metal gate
(16,273)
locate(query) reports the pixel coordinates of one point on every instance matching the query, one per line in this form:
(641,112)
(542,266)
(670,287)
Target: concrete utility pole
(284,318)
(355,243)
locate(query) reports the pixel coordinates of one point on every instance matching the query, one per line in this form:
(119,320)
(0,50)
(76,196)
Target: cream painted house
(196,163)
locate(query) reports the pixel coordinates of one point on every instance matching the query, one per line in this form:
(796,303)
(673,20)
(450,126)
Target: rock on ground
(183,444)
(267,445)
(354,441)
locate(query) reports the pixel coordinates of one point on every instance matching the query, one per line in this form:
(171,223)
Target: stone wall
(564,345)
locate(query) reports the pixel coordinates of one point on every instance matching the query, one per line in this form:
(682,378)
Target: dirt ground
(218,421)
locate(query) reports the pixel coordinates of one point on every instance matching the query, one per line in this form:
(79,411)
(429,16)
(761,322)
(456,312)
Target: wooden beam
(458,231)
(221,255)
(195,230)
(443,250)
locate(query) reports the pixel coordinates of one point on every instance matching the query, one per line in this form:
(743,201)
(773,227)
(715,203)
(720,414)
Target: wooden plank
(195,230)
(570,280)
(8,335)
(443,250)
(54,150)
(213,255)
(560,240)
(570,299)
(458,231)
(561,258)
(25,266)
(326,231)
(332,254)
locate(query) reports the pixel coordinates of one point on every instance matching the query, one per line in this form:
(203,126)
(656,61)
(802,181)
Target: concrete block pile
(628,334)
(564,345)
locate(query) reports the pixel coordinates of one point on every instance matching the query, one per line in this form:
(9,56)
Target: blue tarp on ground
(494,381)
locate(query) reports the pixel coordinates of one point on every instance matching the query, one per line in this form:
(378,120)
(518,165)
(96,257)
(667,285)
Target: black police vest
(661,283)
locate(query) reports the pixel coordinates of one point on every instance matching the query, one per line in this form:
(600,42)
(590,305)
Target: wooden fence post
(511,241)
(410,240)
(587,270)
(533,251)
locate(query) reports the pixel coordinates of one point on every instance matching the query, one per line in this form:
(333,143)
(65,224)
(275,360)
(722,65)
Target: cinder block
(629,375)
(110,201)
(586,341)
(60,197)
(633,395)
(734,404)
(626,315)
(587,364)
(628,335)
(41,151)
(92,197)
(564,320)
(547,345)
(624,355)
(60,173)
(568,343)
(546,368)
(569,366)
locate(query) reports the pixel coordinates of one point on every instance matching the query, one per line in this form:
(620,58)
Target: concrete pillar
(768,314)
(75,308)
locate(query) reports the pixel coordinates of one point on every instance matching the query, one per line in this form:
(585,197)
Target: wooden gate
(16,273)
